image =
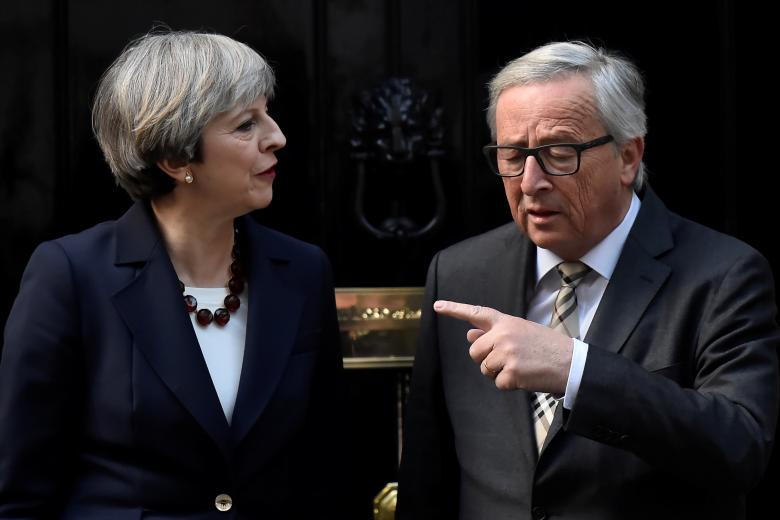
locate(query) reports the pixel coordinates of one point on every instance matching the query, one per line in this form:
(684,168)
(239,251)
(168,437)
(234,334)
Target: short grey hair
(153,102)
(618,86)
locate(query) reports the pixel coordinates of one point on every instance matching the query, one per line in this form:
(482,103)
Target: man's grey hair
(155,99)
(618,86)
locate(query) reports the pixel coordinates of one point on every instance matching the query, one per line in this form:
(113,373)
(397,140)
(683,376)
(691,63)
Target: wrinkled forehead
(563,106)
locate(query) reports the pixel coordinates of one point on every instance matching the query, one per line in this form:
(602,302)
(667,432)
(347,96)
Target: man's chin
(543,239)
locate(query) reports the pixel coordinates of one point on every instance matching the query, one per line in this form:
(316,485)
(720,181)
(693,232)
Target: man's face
(568,215)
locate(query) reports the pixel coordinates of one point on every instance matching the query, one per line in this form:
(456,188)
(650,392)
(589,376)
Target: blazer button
(223,502)
(539,513)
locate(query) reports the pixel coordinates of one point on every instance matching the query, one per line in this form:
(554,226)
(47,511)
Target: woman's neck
(199,246)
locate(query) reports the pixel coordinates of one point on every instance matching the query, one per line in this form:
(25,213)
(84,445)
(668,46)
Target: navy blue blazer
(107,409)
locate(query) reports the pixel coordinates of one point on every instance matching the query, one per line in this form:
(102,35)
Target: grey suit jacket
(676,412)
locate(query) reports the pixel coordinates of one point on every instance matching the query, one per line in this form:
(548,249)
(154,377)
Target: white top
(602,260)
(222,347)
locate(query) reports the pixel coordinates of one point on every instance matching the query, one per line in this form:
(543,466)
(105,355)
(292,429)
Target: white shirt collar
(601,258)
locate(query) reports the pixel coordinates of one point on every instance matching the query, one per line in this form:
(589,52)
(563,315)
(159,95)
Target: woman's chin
(263,202)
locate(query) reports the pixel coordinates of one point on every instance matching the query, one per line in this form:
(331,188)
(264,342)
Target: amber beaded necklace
(232,302)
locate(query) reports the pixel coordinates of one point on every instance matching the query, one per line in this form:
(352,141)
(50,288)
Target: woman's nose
(274,139)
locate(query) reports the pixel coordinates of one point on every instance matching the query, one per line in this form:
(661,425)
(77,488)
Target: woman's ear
(177,169)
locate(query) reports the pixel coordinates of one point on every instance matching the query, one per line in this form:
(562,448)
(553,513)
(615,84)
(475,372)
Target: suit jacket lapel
(517,283)
(511,278)
(151,306)
(273,322)
(637,278)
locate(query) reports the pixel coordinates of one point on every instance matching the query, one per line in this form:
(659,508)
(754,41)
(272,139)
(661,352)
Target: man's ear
(177,169)
(631,154)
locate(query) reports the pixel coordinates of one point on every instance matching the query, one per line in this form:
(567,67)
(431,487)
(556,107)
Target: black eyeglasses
(555,159)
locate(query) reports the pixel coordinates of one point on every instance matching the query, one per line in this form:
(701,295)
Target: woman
(183,361)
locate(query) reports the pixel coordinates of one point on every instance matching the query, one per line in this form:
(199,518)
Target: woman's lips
(269,173)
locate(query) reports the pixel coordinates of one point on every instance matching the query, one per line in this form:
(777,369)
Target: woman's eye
(246,125)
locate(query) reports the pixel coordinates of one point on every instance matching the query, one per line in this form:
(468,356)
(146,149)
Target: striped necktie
(564,320)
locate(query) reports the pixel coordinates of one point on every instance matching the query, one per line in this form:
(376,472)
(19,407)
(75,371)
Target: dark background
(53,179)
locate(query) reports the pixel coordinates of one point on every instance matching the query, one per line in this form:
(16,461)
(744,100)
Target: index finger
(480,317)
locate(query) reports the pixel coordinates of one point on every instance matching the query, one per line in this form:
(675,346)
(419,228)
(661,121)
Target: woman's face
(236,173)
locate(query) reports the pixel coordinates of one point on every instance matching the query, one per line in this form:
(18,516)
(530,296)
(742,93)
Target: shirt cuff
(578,357)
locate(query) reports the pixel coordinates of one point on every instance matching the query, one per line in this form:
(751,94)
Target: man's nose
(534,179)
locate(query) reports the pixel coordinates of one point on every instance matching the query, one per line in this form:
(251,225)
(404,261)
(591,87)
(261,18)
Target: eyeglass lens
(555,160)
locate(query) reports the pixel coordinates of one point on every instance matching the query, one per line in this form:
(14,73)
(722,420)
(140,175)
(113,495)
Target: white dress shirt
(602,260)
(222,347)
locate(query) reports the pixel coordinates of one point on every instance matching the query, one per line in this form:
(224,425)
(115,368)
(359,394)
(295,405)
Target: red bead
(236,269)
(221,316)
(190,303)
(205,317)
(236,285)
(232,302)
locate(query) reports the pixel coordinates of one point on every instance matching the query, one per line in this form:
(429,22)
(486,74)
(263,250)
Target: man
(642,380)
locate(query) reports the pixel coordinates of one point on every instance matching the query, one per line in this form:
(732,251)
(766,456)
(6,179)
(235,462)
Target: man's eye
(561,152)
(509,154)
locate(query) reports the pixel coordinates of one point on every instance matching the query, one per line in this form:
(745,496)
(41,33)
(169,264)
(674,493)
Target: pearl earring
(188,178)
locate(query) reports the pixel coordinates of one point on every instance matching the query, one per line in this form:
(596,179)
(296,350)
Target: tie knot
(572,273)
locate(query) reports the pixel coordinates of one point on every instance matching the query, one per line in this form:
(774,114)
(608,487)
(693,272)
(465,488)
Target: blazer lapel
(273,322)
(151,306)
